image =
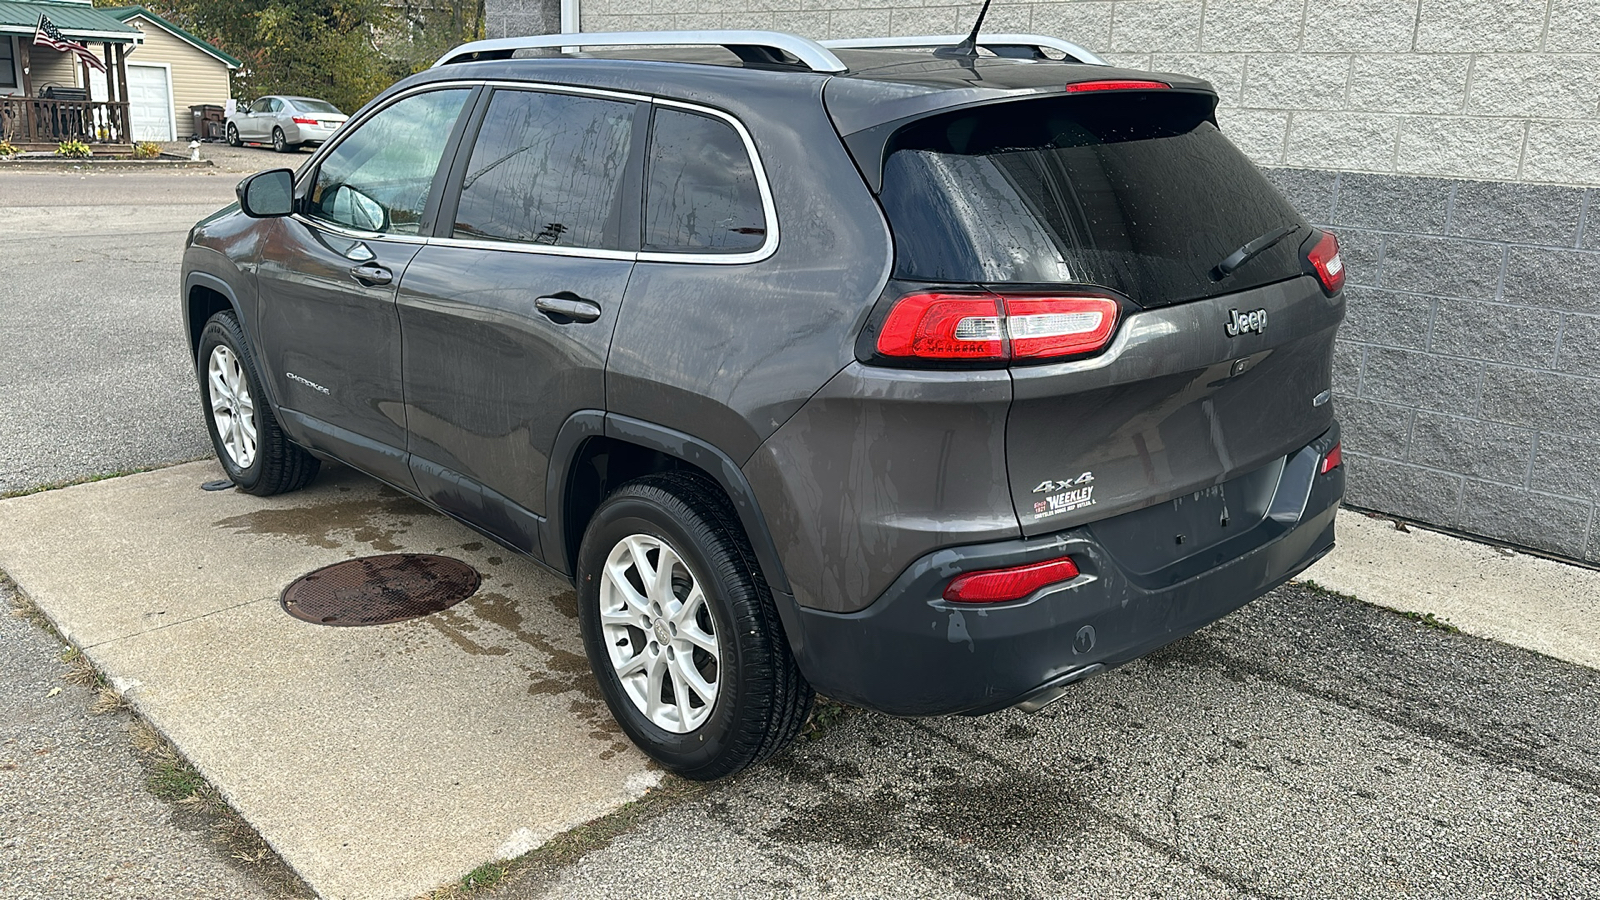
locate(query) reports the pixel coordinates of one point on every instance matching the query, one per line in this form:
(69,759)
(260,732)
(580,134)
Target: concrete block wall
(1454,145)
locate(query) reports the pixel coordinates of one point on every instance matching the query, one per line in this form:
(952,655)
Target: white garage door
(150,102)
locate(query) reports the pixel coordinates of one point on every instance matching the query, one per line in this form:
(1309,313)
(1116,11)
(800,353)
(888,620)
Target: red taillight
(1329,265)
(995,327)
(944,326)
(1333,459)
(1113,85)
(1058,326)
(300,121)
(1000,585)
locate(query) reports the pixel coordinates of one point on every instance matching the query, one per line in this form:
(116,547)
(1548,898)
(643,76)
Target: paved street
(1308,746)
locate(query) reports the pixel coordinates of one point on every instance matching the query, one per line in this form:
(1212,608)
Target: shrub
(74,150)
(146,150)
(7,149)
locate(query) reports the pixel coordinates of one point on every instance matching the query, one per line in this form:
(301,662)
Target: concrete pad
(1523,600)
(379,762)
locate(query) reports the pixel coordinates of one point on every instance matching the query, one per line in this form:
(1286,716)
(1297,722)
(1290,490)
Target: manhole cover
(375,590)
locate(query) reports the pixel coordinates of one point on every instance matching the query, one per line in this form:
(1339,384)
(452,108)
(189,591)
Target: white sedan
(287,122)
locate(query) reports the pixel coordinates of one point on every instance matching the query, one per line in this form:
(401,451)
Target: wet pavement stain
(324,526)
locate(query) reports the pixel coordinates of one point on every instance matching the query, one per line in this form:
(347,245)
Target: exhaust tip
(1057,688)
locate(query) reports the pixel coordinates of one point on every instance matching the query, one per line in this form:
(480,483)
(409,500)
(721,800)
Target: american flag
(49,35)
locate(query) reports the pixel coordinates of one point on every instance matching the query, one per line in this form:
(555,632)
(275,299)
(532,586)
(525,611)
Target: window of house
(547,169)
(8,63)
(700,187)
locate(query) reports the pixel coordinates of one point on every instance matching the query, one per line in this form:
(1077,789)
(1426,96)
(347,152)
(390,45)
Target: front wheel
(681,631)
(233,136)
(253,450)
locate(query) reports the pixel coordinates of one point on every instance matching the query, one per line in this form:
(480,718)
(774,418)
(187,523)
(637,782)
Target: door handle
(371,274)
(573,309)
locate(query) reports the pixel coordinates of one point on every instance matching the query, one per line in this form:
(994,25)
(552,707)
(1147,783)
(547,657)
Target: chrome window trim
(768,207)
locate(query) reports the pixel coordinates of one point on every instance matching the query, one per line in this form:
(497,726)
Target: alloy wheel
(659,633)
(232,408)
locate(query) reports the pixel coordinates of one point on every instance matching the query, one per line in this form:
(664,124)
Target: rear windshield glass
(309,105)
(1138,192)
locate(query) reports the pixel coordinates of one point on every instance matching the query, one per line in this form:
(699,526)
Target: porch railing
(34,120)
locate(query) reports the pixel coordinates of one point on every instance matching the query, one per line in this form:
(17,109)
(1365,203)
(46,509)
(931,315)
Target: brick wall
(1452,144)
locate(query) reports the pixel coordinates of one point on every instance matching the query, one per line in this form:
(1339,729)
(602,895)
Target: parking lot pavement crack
(165,625)
(1111,820)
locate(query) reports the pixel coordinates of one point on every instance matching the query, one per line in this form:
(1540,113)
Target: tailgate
(1174,406)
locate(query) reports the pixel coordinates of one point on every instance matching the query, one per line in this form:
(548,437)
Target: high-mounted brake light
(1329,264)
(302,121)
(1001,585)
(1333,459)
(996,327)
(1115,85)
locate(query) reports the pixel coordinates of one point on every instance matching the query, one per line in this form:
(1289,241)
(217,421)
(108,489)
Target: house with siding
(171,71)
(43,92)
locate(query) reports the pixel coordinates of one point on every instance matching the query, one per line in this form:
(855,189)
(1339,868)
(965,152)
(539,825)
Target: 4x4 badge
(1239,323)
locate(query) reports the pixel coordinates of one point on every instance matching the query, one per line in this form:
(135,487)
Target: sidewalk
(378,762)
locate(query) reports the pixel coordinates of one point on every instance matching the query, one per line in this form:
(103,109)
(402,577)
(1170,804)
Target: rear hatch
(1128,197)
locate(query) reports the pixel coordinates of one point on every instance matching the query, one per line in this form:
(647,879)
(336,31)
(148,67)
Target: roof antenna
(969,47)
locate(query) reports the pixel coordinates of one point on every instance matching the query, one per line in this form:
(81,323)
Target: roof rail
(1035,42)
(751,46)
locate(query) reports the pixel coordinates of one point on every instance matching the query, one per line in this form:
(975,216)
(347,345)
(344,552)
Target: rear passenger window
(700,187)
(547,169)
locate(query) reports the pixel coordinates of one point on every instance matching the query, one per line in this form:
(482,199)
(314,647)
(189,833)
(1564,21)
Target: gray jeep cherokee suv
(932,381)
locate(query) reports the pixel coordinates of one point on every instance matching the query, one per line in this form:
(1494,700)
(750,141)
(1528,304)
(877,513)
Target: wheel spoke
(627,615)
(633,666)
(617,575)
(661,584)
(689,633)
(656,668)
(691,676)
(641,561)
(680,693)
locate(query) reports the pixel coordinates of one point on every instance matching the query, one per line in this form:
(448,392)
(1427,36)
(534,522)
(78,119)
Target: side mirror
(268,194)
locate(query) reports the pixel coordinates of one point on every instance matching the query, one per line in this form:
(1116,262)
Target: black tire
(277,465)
(233,136)
(762,699)
(279,143)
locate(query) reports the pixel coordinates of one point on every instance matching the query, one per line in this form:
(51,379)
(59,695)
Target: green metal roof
(78,21)
(124,13)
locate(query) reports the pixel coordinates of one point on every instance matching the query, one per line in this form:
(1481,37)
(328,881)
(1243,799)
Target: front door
(507,315)
(329,329)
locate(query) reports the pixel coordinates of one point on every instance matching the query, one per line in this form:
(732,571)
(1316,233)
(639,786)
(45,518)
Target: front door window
(378,178)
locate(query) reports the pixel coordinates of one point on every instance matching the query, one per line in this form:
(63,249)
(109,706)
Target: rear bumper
(912,653)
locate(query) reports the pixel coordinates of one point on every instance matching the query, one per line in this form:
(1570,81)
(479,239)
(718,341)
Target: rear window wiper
(1250,251)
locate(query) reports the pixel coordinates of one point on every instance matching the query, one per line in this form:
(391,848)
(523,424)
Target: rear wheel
(279,143)
(253,450)
(233,136)
(681,631)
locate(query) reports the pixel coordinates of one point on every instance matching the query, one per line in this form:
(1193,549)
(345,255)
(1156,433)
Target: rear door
(1133,195)
(329,329)
(507,314)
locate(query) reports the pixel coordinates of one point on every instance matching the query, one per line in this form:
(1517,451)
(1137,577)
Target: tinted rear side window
(700,187)
(1138,192)
(547,169)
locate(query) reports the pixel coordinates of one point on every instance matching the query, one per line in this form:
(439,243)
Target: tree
(342,51)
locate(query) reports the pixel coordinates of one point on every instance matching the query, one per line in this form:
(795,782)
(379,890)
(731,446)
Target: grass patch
(1430,620)
(1310,585)
(825,715)
(528,874)
(198,805)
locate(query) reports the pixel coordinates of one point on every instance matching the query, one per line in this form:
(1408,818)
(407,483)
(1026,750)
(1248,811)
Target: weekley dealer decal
(1070,495)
